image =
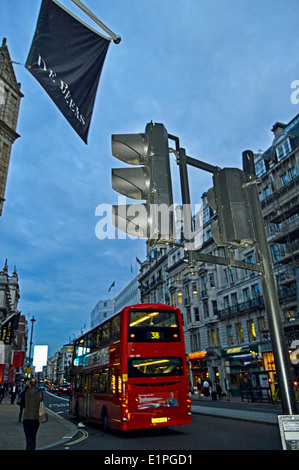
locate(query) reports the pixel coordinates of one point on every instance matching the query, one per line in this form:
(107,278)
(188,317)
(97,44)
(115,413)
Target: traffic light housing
(150,181)
(229,199)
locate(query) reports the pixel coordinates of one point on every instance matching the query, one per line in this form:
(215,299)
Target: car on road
(64,389)
(53,388)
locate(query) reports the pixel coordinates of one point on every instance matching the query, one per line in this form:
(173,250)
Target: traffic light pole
(263,267)
(281,358)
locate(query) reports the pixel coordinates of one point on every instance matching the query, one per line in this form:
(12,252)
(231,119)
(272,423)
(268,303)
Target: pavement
(55,431)
(235,408)
(59,431)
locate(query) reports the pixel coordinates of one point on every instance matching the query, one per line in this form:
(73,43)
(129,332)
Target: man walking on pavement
(13,393)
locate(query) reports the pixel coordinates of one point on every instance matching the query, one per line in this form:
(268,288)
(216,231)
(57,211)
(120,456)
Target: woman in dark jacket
(33,397)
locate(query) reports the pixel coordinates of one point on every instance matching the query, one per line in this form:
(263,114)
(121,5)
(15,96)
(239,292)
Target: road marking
(85,436)
(84,433)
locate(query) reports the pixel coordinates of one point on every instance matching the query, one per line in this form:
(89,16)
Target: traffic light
(229,199)
(150,181)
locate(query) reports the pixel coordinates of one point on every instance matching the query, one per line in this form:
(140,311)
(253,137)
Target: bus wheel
(104,420)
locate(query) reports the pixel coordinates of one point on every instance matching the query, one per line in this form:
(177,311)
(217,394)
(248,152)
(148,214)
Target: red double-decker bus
(130,372)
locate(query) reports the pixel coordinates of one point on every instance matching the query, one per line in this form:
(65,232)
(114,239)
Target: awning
(197,355)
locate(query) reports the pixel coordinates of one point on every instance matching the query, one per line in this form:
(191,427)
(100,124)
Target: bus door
(86,394)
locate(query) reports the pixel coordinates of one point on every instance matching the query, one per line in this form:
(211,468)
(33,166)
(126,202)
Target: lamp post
(30,345)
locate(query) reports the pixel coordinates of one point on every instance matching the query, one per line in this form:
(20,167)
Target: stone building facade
(10,97)
(14,329)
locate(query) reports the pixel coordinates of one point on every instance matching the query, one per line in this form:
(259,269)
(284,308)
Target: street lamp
(30,345)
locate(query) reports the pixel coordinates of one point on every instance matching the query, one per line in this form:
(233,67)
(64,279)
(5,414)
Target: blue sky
(216,73)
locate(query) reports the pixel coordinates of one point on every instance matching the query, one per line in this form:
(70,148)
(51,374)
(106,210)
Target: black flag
(66,58)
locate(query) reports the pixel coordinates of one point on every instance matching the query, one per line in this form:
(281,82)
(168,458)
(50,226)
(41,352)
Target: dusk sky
(216,73)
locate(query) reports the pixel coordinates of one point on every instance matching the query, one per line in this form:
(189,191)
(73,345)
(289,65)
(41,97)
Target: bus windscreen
(153,326)
(155,367)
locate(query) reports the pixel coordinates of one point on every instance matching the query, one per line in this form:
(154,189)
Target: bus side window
(106,331)
(103,380)
(87,383)
(95,382)
(115,328)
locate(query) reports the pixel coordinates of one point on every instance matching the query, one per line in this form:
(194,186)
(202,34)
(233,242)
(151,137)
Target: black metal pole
(281,358)
(30,345)
(187,212)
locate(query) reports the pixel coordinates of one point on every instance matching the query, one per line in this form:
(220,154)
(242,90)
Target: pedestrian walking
(13,393)
(206,388)
(21,402)
(33,397)
(2,392)
(219,391)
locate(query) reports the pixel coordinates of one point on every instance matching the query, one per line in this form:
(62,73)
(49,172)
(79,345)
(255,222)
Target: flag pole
(115,37)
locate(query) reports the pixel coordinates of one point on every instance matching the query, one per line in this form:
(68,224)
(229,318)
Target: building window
(196,313)
(283,149)
(261,324)
(260,168)
(232,274)
(267,191)
(275,251)
(234,299)
(206,309)
(215,337)
(193,340)
(251,330)
(226,302)
(239,333)
(284,179)
(212,279)
(203,286)
(293,173)
(230,335)
(246,294)
(187,295)
(250,259)
(255,289)
(215,307)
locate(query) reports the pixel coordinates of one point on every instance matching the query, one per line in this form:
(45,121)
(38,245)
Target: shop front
(241,365)
(198,369)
